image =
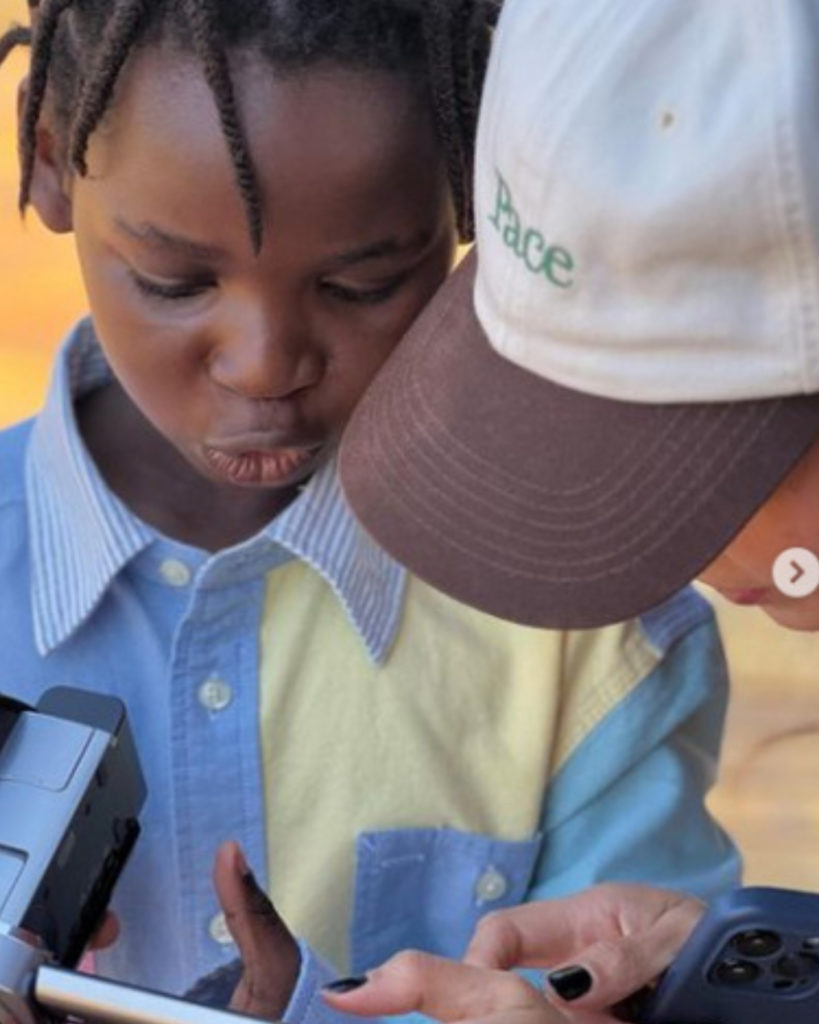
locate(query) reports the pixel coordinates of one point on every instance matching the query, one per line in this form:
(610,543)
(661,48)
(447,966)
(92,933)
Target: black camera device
(71,788)
(70,791)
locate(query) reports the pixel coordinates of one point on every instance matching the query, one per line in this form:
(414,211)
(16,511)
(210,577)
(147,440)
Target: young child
(263,196)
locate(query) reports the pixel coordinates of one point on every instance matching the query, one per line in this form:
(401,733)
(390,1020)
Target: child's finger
(443,989)
(107,933)
(268,950)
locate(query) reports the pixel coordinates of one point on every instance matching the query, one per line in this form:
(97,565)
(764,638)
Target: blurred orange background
(40,289)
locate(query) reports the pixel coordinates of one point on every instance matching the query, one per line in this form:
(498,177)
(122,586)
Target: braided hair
(79,48)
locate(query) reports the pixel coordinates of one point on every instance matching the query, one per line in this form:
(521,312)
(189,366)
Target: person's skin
(624,935)
(237,371)
(788,519)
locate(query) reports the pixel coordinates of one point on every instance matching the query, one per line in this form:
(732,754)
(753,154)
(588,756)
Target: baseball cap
(627,364)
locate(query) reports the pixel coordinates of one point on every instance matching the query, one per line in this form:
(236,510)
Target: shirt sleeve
(629,803)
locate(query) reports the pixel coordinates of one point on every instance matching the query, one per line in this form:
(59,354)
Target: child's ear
(48,192)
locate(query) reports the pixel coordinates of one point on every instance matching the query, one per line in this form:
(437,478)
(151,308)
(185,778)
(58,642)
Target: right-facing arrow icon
(796,572)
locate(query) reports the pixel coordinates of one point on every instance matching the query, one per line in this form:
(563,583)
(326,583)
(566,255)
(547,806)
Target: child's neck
(159,486)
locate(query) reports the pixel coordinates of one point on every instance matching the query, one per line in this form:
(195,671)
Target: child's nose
(266,356)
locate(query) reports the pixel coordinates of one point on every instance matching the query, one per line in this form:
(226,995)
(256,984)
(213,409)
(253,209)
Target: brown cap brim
(541,504)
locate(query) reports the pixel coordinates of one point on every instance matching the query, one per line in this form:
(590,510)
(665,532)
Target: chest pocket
(427,888)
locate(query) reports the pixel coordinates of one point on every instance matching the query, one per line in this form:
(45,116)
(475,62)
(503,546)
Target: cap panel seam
(790,192)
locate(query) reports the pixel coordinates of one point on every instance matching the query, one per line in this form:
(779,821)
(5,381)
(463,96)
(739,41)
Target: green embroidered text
(528,244)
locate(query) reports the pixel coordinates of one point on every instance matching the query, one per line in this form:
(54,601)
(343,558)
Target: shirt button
(219,930)
(491,886)
(215,694)
(175,573)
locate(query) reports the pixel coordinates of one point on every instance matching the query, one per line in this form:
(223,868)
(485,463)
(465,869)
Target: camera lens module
(757,942)
(797,965)
(735,972)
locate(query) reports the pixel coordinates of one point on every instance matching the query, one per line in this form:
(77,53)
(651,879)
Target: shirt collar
(82,535)
(319,528)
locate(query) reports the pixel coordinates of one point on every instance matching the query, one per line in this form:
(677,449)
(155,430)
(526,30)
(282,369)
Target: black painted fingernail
(570,982)
(341,985)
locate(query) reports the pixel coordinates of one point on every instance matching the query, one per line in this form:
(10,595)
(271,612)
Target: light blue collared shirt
(91,596)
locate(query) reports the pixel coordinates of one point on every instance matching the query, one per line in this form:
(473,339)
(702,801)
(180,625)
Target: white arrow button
(796,572)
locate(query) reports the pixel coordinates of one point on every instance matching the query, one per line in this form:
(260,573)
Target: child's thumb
(269,952)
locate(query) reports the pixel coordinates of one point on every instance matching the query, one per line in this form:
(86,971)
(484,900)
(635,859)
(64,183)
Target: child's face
(250,365)
(788,519)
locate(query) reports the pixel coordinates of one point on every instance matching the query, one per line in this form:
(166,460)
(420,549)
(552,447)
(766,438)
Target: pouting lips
(260,467)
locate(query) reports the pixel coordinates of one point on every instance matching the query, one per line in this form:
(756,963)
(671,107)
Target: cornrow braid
(203,18)
(119,36)
(439,44)
(17,35)
(79,48)
(49,13)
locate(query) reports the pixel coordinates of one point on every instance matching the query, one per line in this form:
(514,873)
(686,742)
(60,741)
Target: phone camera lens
(756,942)
(735,972)
(796,965)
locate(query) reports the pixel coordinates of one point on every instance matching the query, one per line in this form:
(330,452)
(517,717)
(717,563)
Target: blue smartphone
(752,959)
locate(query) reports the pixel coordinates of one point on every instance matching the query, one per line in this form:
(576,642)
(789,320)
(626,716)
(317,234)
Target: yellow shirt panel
(461,727)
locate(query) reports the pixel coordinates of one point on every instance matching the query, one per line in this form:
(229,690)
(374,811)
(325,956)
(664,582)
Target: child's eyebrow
(154,236)
(378,250)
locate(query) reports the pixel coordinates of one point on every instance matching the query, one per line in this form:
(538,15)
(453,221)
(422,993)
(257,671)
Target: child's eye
(370,296)
(170,290)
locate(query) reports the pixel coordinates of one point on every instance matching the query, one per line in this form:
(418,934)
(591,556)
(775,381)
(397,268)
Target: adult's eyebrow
(155,237)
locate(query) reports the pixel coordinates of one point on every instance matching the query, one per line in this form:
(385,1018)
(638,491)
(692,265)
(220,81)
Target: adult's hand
(601,945)
(446,990)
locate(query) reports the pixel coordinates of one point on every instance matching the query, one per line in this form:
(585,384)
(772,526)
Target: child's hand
(602,944)
(269,952)
(107,933)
